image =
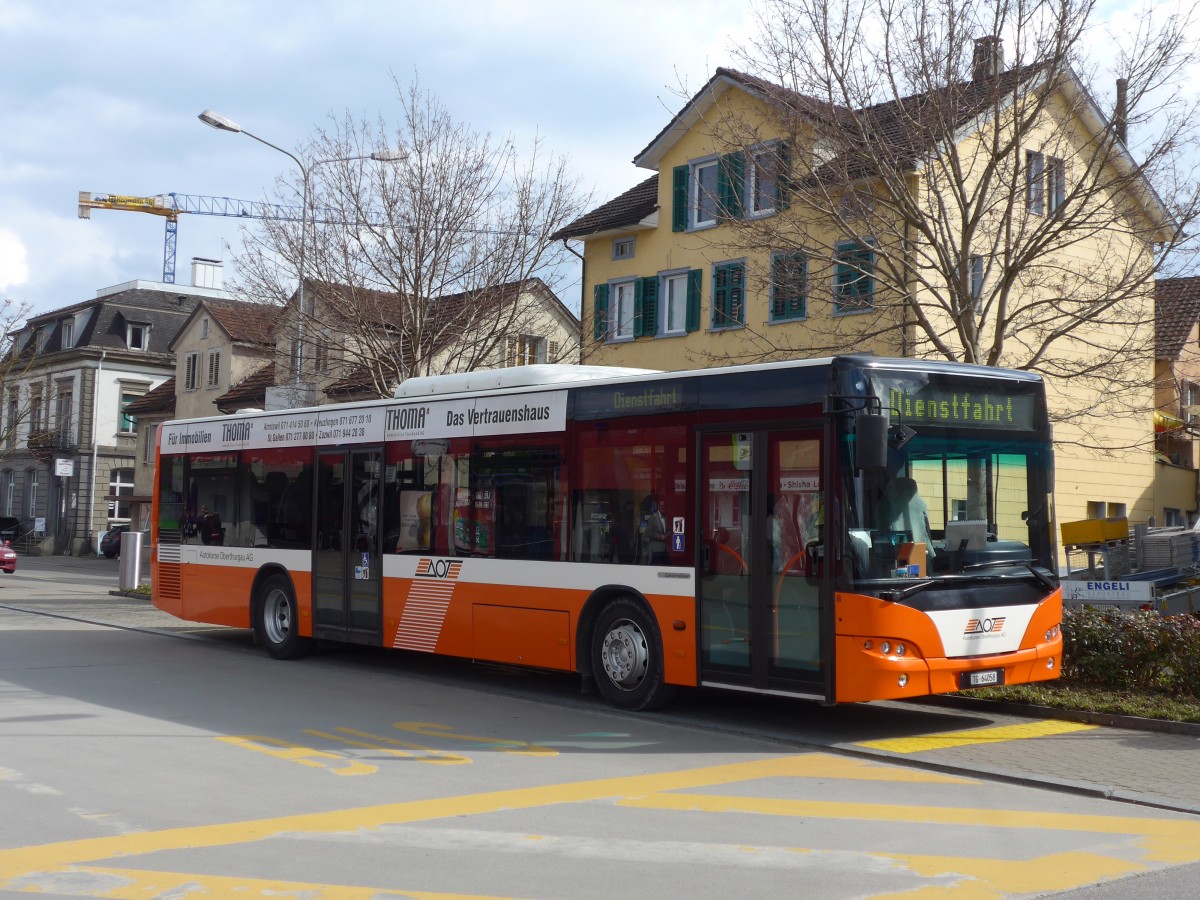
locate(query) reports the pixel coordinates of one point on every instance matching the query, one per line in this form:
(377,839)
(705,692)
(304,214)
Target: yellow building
(761,236)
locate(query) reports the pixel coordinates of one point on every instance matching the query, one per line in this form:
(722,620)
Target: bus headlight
(900,650)
(903,680)
(1050,663)
(1052,633)
(885,648)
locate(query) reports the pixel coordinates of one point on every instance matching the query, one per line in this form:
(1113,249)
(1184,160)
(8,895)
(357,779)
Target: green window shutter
(789,287)
(600,312)
(731,178)
(783,176)
(679,198)
(648,311)
(854,277)
(693,299)
(729,294)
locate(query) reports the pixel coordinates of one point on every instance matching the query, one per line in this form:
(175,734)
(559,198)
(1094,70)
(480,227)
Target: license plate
(980,679)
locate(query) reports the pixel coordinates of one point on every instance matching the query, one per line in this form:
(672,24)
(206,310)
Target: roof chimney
(988,59)
(207,273)
(1120,119)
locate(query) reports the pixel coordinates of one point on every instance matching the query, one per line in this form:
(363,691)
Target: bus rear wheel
(627,657)
(275,620)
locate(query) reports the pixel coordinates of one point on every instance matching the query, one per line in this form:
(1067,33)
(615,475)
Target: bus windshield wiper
(1043,579)
(905,593)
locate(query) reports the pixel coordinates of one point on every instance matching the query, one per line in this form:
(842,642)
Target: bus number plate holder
(986,677)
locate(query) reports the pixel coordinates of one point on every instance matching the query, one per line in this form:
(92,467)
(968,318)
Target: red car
(8,558)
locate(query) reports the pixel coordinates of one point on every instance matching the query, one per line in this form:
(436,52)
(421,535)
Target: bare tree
(423,266)
(1008,218)
(14,364)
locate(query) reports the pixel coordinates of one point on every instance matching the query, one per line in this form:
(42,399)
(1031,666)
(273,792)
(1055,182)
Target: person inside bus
(209,525)
(903,509)
(653,533)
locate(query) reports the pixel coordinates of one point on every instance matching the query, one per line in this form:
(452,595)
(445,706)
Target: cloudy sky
(103,97)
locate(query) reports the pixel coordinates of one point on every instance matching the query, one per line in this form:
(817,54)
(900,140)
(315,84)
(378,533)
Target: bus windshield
(950,507)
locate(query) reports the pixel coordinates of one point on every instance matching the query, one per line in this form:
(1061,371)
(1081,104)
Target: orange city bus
(842,529)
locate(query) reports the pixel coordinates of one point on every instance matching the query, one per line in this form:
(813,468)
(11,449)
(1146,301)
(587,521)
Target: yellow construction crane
(171,206)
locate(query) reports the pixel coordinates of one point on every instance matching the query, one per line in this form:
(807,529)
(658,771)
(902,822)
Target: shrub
(1139,650)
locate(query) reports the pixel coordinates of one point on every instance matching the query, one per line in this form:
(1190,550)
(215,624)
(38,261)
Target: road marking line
(504,745)
(304,756)
(950,739)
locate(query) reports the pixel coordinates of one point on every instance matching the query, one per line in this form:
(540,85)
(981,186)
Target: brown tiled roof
(1176,311)
(623,210)
(251,391)
(245,322)
(159,401)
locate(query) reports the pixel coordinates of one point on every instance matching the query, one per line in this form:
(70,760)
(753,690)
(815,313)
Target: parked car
(8,558)
(110,541)
(10,528)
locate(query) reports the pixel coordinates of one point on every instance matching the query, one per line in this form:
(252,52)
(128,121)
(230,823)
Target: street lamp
(215,120)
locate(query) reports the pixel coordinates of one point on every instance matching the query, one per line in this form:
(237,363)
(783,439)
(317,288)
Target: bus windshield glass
(958,503)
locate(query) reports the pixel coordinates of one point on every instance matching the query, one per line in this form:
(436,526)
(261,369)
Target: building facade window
(525,350)
(768,165)
(674,305)
(1035,189)
(191,365)
(789,286)
(10,491)
(148,447)
(204,327)
(31,478)
(120,484)
(67,334)
(12,419)
(36,410)
(620,311)
(1056,184)
(854,277)
(214,369)
(64,410)
(624,247)
(729,295)
(128,424)
(137,336)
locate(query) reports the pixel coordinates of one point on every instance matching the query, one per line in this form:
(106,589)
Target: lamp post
(224,123)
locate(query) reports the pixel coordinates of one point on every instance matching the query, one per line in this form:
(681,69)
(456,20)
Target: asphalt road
(141,756)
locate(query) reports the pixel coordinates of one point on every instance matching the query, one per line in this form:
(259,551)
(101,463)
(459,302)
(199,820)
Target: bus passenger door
(761,505)
(347,569)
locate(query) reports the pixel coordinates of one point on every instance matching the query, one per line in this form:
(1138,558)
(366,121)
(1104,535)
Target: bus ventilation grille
(169,554)
(169,585)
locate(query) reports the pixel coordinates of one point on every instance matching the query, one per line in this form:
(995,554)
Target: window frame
(127,424)
(191,371)
(696,192)
(1035,184)
(616,289)
(142,329)
(771,151)
(618,243)
(212,369)
(1056,185)
(665,280)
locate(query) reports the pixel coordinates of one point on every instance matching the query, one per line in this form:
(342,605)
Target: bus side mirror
(871,441)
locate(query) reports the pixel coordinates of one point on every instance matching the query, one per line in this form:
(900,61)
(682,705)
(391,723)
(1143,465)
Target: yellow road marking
(142,884)
(304,756)
(949,739)
(1166,840)
(504,745)
(387,745)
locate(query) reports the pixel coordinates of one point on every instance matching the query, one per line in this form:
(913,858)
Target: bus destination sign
(970,408)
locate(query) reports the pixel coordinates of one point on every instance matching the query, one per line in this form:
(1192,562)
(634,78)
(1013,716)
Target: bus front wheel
(275,620)
(627,657)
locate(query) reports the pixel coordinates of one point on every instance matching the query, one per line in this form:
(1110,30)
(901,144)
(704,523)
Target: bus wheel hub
(625,654)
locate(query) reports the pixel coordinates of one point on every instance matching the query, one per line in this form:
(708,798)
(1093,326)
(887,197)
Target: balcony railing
(52,439)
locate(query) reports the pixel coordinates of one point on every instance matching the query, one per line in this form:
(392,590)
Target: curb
(1135,723)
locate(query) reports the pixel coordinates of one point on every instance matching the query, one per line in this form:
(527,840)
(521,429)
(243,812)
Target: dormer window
(67,333)
(137,336)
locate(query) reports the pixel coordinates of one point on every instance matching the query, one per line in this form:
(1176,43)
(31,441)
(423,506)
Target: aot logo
(438,568)
(985,626)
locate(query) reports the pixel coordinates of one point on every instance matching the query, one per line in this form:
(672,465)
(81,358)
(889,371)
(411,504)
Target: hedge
(1141,650)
